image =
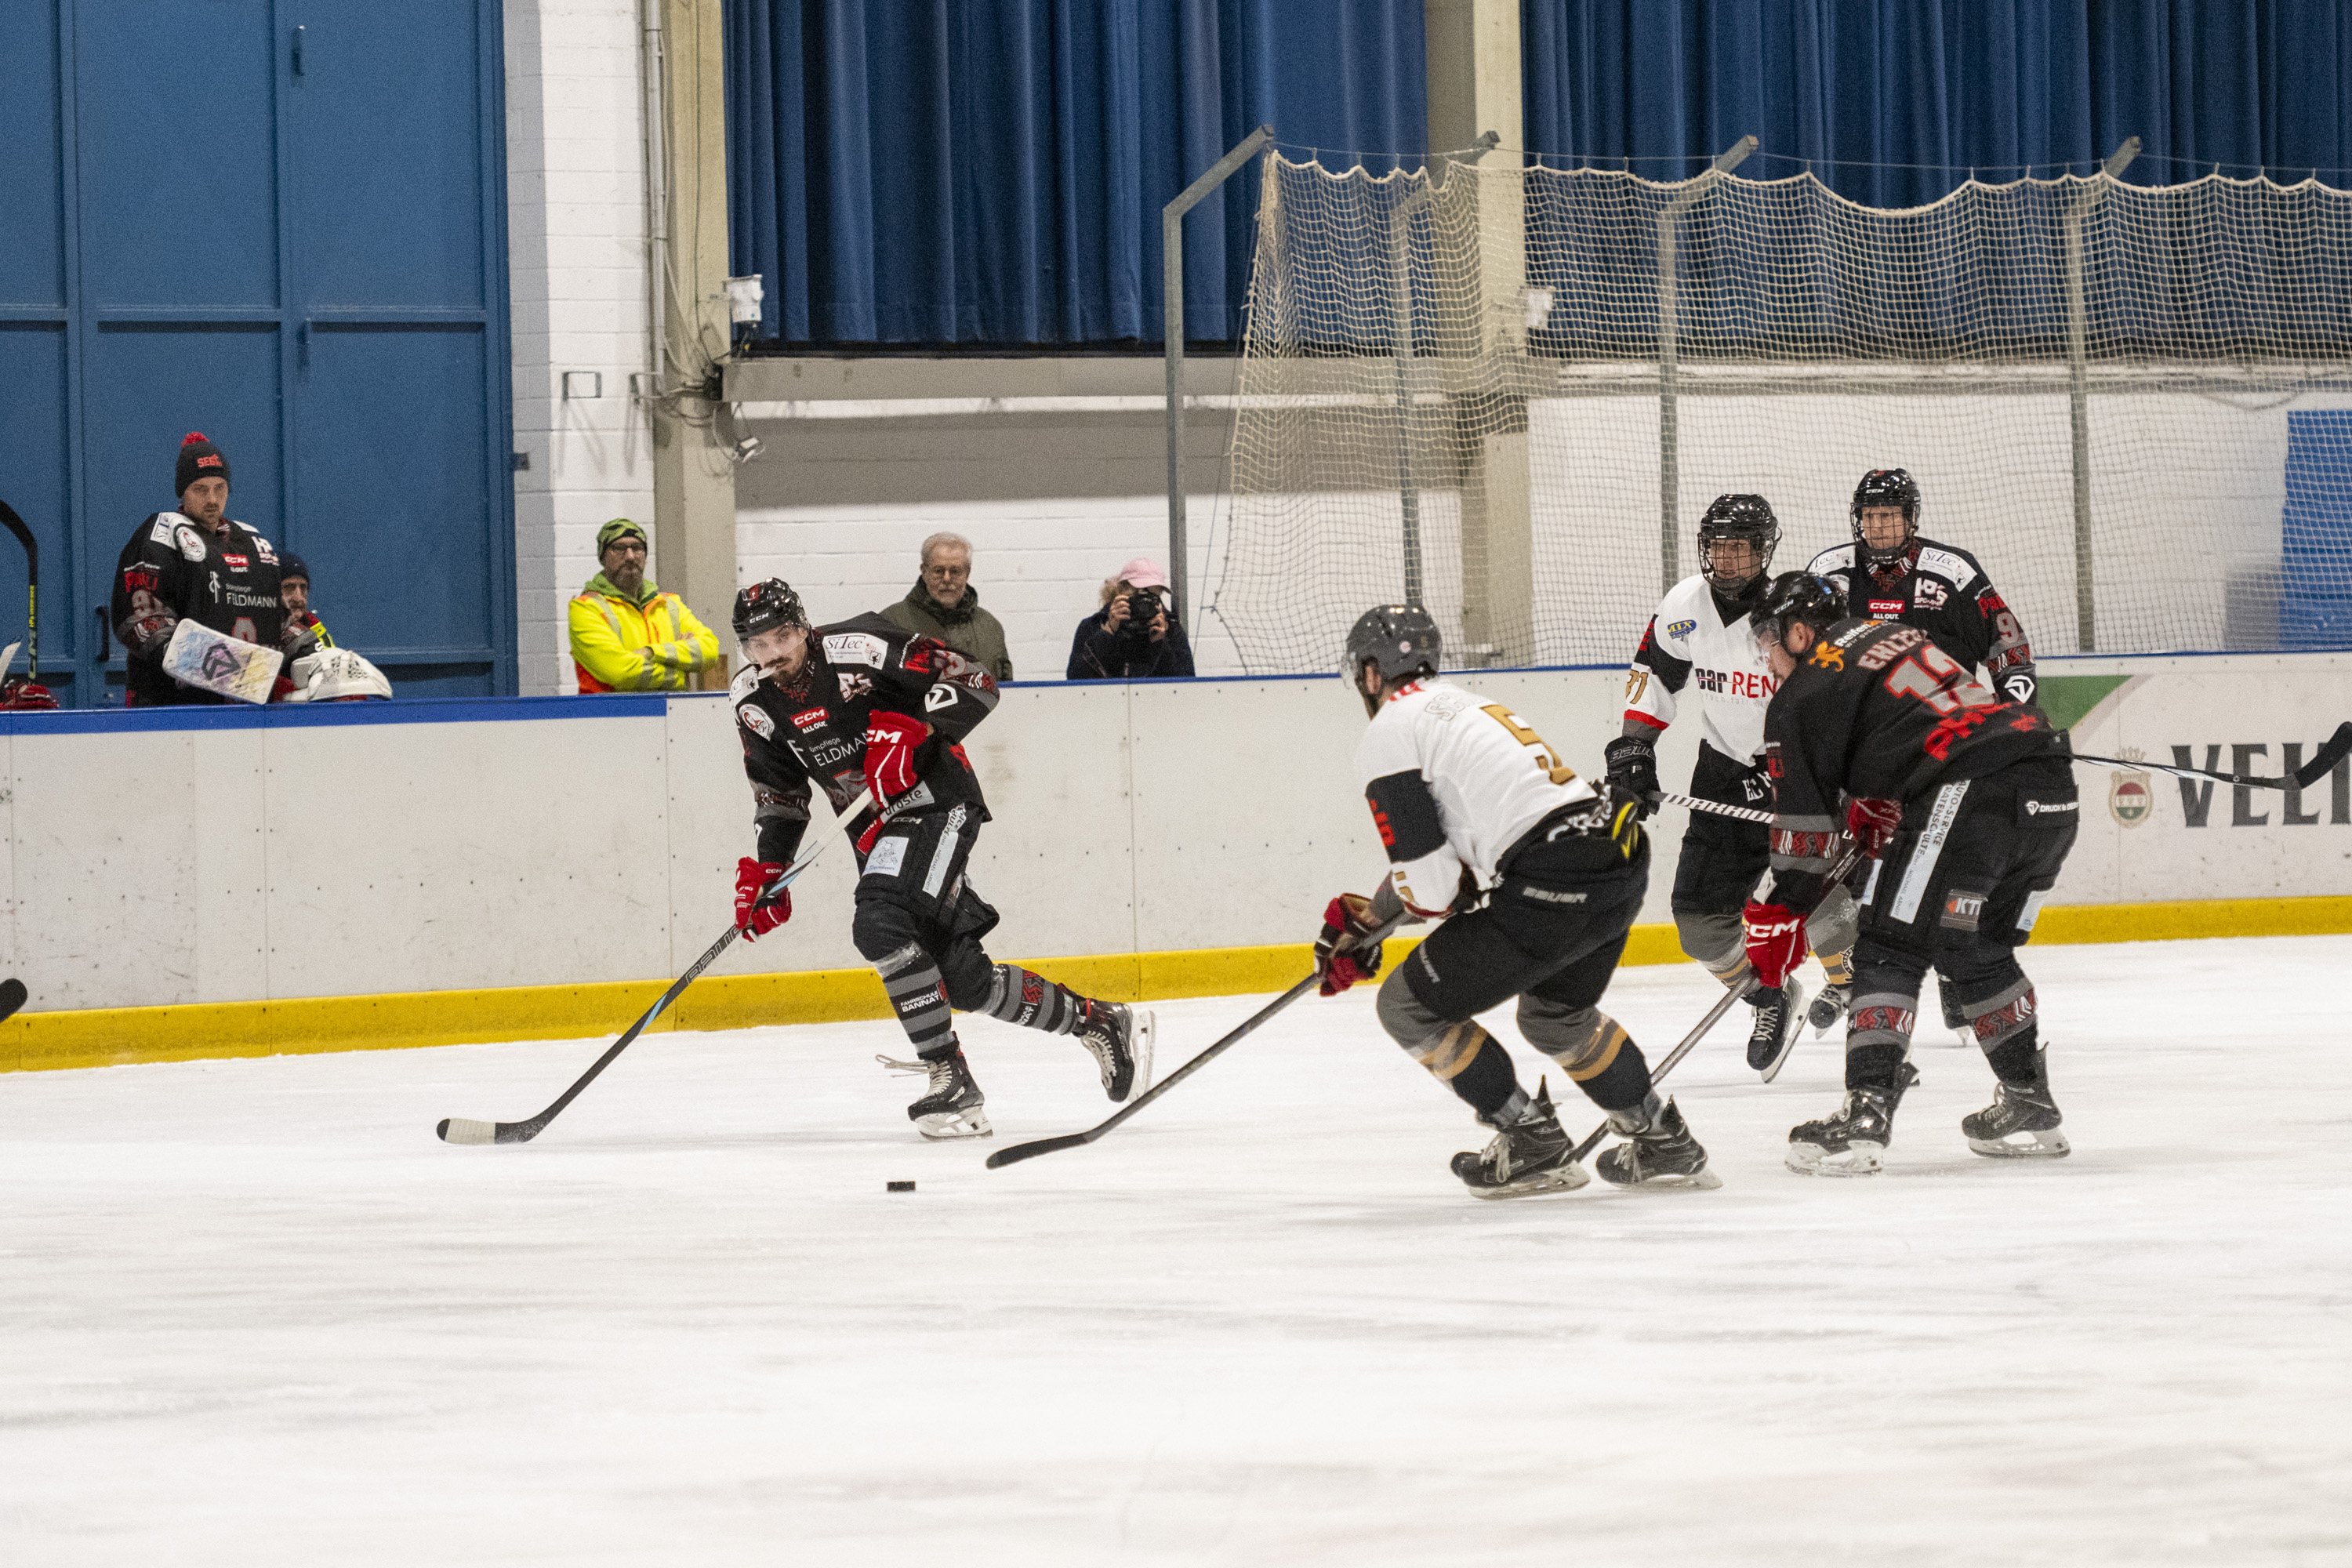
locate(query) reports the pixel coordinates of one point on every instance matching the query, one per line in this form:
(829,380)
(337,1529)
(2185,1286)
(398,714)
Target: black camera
(1142,604)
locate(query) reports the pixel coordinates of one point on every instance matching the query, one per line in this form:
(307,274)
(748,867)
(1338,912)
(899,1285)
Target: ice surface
(252,1311)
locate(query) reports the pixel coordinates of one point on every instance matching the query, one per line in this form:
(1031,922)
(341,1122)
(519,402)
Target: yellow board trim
(114,1037)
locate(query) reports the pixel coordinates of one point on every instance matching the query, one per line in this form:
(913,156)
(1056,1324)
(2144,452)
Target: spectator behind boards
(305,633)
(944,605)
(1136,633)
(626,634)
(192,564)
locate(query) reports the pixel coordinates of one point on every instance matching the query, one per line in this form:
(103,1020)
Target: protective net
(1508,394)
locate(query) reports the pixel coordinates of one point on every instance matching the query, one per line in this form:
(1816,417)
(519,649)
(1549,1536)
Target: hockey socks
(1475,1063)
(1021,996)
(919,996)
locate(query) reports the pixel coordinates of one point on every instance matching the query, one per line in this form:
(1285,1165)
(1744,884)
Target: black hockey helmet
(1400,639)
(764,606)
(1747,517)
(1887,487)
(1796,596)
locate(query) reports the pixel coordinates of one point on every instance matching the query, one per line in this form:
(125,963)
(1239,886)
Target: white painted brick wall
(1039,565)
(575,217)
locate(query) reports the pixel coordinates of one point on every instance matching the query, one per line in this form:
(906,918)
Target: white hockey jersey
(1453,780)
(1690,646)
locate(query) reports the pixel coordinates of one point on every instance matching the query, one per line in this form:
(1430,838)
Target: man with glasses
(626,634)
(944,605)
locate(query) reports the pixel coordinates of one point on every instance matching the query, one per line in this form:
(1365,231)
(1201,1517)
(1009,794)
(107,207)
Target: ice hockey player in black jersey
(1699,648)
(196,564)
(1538,876)
(1890,574)
(1966,802)
(864,704)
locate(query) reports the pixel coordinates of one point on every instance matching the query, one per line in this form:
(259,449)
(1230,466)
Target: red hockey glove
(22,692)
(1874,823)
(1775,943)
(890,743)
(1344,952)
(753,917)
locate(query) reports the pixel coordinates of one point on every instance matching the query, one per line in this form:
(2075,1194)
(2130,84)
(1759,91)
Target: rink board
(430,872)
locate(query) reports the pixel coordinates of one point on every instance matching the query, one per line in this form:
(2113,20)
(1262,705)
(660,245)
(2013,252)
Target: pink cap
(1142,573)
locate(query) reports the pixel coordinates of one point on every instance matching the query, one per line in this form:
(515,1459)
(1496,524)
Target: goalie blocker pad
(206,659)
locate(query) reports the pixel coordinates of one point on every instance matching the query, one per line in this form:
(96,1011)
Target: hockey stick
(32,588)
(1690,803)
(1030,1151)
(461,1129)
(2338,747)
(11,996)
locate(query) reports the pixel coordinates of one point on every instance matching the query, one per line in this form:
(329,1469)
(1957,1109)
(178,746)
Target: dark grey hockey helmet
(1400,640)
(1747,517)
(1887,487)
(1796,596)
(764,606)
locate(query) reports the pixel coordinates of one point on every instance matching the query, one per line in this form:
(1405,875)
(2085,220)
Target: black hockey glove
(1633,770)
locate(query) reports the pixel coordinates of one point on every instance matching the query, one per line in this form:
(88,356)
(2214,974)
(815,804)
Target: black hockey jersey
(814,731)
(173,570)
(1943,591)
(1878,710)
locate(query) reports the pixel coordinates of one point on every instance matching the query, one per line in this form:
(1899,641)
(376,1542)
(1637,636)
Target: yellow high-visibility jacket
(650,643)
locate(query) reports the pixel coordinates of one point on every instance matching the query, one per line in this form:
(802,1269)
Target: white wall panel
(230,843)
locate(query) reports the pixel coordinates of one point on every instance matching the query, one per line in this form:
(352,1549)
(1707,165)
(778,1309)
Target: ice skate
(1828,1007)
(1534,1156)
(1774,1034)
(952,1105)
(2021,1122)
(1963,1032)
(1854,1142)
(1659,1152)
(1120,1039)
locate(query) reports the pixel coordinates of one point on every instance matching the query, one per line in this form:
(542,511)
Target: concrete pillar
(1474,88)
(694,476)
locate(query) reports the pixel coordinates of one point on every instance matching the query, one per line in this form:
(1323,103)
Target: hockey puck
(898,1186)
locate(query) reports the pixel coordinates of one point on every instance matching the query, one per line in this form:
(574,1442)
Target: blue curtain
(1945,85)
(993,171)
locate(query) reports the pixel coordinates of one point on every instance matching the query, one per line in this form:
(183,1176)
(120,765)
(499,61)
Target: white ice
(252,1311)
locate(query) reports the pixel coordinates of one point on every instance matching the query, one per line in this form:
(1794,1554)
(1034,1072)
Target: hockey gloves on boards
(1775,943)
(751,916)
(1634,769)
(1343,953)
(1874,823)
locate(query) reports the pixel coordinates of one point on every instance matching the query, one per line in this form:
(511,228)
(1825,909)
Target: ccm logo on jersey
(1735,683)
(856,648)
(808,718)
(1888,608)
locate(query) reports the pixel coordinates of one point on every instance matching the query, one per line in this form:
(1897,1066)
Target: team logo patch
(854,685)
(1963,906)
(755,719)
(1928,593)
(261,548)
(190,543)
(1682,628)
(2130,801)
(939,697)
(888,857)
(856,648)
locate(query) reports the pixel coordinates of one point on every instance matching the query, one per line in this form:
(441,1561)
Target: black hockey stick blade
(1030,1151)
(2324,761)
(11,996)
(2338,747)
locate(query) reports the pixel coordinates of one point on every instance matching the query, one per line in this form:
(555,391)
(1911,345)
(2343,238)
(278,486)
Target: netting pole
(1669,335)
(2078,391)
(1171,296)
(1401,343)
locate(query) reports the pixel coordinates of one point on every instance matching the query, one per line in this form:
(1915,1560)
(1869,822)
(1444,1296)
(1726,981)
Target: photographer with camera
(1136,633)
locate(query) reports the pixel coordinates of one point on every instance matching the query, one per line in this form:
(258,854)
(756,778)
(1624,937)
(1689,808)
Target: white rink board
(170,866)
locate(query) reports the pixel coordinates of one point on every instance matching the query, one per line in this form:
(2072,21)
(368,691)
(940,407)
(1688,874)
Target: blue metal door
(283,225)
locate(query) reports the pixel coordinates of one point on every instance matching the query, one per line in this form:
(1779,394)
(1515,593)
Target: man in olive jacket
(944,605)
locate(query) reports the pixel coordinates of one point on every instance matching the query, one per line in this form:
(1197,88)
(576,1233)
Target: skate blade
(1674,1181)
(2048,1145)
(943,1126)
(1559,1179)
(1795,1001)
(1146,1031)
(1857,1159)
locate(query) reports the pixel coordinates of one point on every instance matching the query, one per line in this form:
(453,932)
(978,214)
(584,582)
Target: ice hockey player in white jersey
(1699,645)
(1538,877)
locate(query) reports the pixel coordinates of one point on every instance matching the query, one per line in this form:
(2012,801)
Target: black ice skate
(1854,1142)
(1120,1039)
(952,1103)
(1660,1152)
(2021,1122)
(1828,1007)
(1774,1035)
(1536,1155)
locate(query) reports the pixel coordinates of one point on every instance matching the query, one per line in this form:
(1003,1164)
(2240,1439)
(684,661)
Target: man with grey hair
(944,605)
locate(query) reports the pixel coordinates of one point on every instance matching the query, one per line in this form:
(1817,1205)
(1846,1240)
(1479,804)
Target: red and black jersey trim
(1406,814)
(1672,672)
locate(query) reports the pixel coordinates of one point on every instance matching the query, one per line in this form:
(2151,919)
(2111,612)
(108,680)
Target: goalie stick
(462,1130)
(2338,747)
(1030,1151)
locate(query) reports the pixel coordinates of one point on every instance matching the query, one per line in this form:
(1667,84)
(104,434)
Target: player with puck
(1699,644)
(864,704)
(1966,800)
(1538,877)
